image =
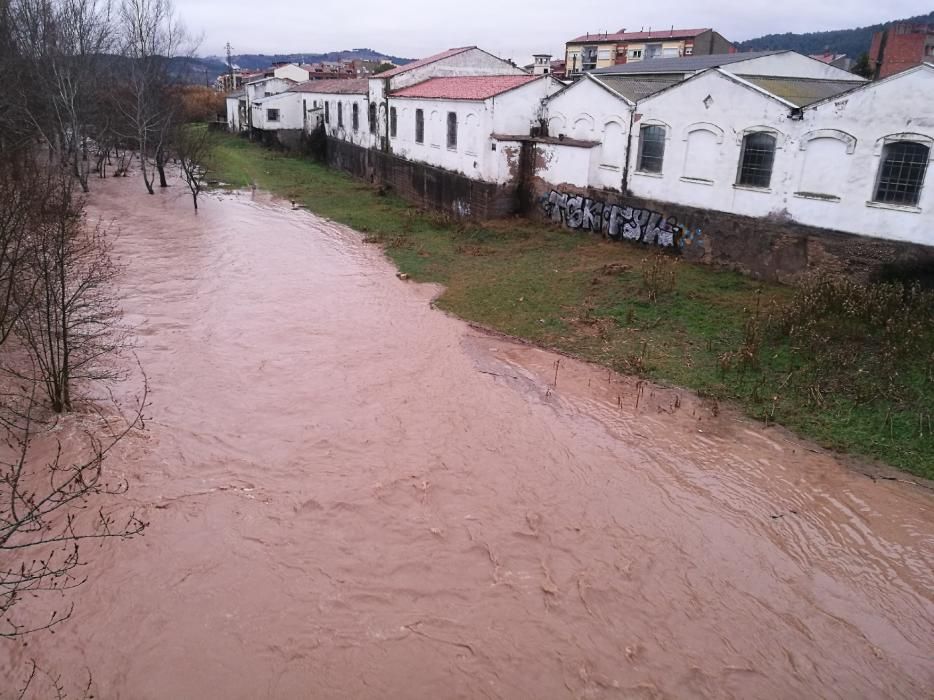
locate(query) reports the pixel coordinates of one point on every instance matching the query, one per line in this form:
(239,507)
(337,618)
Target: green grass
(550,286)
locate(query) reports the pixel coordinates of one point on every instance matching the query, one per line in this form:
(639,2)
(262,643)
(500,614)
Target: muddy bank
(351,494)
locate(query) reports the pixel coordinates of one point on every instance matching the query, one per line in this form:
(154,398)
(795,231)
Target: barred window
(392,122)
(452,131)
(651,148)
(272,115)
(901,173)
(372,117)
(355,116)
(756,160)
(419,126)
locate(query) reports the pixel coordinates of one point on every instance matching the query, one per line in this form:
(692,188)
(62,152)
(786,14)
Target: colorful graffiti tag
(618,222)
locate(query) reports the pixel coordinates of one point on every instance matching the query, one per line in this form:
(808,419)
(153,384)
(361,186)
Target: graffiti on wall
(618,222)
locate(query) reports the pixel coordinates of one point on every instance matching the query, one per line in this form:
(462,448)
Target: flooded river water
(353,495)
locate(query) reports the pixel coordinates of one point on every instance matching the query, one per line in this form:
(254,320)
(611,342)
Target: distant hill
(852,42)
(254,61)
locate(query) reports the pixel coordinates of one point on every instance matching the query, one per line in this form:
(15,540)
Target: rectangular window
(756,159)
(419,126)
(372,117)
(651,149)
(635,53)
(452,131)
(392,122)
(653,51)
(901,173)
(272,115)
(355,116)
(327,112)
(340,114)
(588,58)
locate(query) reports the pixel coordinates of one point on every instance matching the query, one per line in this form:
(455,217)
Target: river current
(351,494)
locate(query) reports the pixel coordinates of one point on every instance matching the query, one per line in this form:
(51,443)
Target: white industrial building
(767,134)
(456,123)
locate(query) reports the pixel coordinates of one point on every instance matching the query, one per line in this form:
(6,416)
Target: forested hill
(257,61)
(852,42)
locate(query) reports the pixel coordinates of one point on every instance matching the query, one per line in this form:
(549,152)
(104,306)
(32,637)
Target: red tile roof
(638,36)
(424,61)
(479,87)
(350,86)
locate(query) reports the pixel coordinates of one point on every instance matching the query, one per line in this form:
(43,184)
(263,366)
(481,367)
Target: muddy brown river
(354,495)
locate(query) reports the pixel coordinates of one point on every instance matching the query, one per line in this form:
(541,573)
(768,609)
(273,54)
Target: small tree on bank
(192,147)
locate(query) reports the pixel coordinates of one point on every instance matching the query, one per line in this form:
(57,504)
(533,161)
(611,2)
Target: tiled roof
(350,86)
(639,36)
(801,91)
(479,87)
(424,61)
(684,64)
(636,87)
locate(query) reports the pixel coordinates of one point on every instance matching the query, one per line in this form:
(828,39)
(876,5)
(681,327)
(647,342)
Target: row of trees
(88,85)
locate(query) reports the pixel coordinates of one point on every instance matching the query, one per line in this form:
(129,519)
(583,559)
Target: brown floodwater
(354,495)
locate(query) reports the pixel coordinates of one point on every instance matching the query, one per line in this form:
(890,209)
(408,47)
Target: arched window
(373,118)
(651,148)
(419,126)
(393,123)
(756,160)
(355,116)
(901,173)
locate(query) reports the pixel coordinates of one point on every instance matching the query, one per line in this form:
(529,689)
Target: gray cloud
(511,29)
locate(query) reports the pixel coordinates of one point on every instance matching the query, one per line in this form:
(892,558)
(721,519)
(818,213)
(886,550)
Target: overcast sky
(509,28)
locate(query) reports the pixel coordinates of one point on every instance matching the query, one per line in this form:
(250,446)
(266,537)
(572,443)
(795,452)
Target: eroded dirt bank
(354,495)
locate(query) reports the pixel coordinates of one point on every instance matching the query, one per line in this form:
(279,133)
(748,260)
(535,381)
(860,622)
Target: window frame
(371,114)
(451,139)
(340,114)
(327,112)
(640,164)
(355,116)
(743,174)
(393,122)
(269,112)
(420,126)
(915,189)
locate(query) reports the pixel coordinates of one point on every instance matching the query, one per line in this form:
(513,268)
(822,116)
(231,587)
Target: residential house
(593,51)
(899,47)
(340,106)
(837,60)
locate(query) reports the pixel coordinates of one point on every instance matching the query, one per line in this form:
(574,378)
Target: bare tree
(71,326)
(192,147)
(49,504)
(151,35)
(63,44)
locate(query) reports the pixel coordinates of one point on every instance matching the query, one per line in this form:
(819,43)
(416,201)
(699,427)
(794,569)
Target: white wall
(291,71)
(470,62)
(842,141)
(705,119)
(511,113)
(289,105)
(588,111)
(826,162)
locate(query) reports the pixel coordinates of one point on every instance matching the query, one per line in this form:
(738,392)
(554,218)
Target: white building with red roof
(453,122)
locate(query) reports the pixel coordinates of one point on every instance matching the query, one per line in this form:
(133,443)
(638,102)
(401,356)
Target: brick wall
(901,46)
(424,185)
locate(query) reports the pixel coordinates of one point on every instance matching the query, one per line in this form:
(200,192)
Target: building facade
(593,51)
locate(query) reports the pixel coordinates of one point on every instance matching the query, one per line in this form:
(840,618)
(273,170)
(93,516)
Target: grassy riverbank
(842,378)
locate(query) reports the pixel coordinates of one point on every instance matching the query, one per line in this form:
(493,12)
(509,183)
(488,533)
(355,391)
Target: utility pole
(230,73)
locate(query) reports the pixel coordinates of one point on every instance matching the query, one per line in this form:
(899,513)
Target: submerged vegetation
(850,366)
